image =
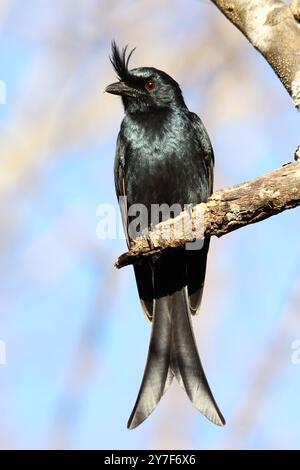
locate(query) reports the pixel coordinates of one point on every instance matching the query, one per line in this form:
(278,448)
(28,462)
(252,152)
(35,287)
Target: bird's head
(144,89)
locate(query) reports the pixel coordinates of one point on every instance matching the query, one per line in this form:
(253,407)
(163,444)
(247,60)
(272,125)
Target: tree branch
(273,28)
(227,210)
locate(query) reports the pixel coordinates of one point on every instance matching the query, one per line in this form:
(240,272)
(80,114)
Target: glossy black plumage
(164,156)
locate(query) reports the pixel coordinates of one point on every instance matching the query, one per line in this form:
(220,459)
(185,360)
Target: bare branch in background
(295,7)
(273,28)
(227,210)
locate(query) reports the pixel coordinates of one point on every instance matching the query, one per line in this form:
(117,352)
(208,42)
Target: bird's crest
(120,61)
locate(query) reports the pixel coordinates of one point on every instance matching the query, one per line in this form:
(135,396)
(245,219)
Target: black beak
(120,88)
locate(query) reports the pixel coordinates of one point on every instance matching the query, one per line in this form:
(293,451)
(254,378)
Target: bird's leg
(146,236)
(296,157)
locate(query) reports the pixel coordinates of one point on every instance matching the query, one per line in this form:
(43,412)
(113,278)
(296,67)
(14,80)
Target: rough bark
(273,28)
(227,210)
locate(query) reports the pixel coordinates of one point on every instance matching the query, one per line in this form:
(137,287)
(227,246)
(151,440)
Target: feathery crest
(120,62)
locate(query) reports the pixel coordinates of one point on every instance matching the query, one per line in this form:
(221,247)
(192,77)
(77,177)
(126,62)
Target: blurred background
(76,339)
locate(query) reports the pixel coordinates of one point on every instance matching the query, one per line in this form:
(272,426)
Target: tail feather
(157,375)
(187,360)
(173,352)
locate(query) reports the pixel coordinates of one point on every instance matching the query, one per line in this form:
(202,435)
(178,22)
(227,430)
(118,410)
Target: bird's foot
(146,236)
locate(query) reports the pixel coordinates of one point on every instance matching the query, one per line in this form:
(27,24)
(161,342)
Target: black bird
(164,156)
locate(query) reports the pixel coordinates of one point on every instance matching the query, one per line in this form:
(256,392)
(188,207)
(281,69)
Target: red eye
(150,86)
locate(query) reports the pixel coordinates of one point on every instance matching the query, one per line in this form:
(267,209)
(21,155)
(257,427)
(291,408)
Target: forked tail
(173,352)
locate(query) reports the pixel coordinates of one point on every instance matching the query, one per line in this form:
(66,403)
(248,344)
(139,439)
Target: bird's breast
(163,164)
